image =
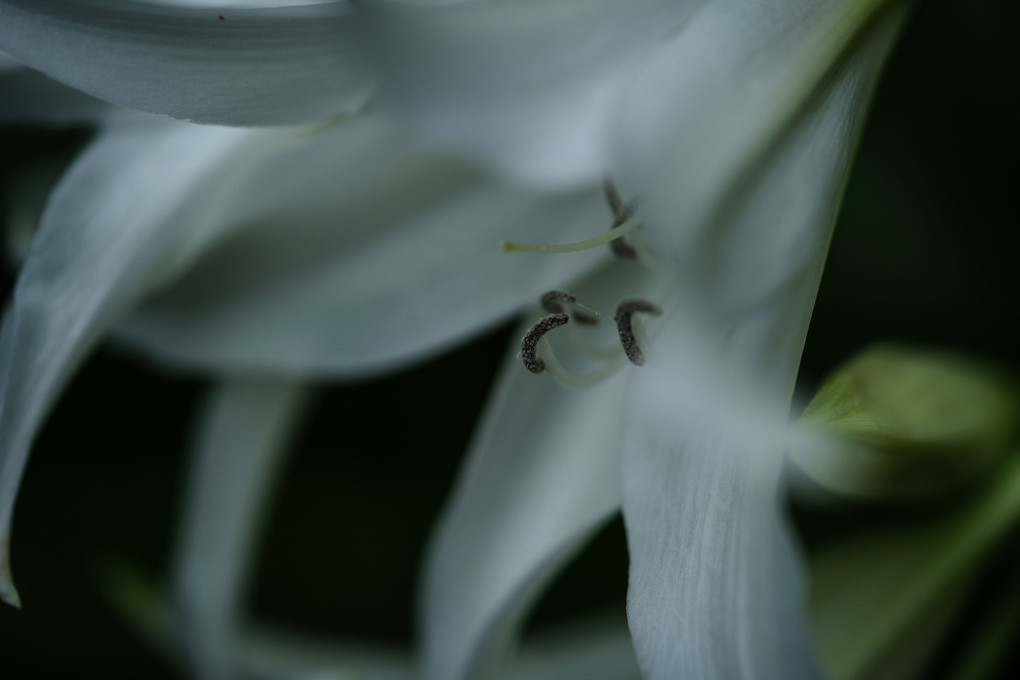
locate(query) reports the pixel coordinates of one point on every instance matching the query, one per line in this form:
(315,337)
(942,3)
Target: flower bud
(899,423)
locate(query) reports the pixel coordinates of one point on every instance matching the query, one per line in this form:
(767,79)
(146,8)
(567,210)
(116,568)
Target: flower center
(563,308)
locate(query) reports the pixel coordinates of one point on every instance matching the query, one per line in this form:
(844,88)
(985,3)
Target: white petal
(98,250)
(531,85)
(243,434)
(229,66)
(542,476)
(738,139)
(153,196)
(359,253)
(27,96)
(715,588)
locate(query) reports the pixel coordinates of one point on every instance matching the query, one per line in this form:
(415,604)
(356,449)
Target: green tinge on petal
(739,135)
(141,601)
(8,593)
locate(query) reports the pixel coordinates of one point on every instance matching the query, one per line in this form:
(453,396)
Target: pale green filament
(568,379)
(590,348)
(587,244)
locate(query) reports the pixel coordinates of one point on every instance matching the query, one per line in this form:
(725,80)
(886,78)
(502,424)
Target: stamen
(587,244)
(624,311)
(555,300)
(621,213)
(529,343)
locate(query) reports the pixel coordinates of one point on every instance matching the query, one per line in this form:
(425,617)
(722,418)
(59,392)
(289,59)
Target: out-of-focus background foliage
(926,251)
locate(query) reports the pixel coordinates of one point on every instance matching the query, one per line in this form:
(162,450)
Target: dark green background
(926,251)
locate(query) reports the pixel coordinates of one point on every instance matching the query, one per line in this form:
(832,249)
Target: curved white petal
(541,477)
(230,66)
(359,253)
(98,250)
(737,139)
(530,86)
(375,241)
(715,589)
(27,96)
(244,432)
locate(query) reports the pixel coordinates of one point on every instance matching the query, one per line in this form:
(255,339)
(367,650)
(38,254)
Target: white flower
(340,252)
(298,259)
(731,123)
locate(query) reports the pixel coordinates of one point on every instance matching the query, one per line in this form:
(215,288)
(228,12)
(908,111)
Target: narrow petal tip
(8,593)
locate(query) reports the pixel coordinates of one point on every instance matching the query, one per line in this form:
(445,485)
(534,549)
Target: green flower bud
(899,423)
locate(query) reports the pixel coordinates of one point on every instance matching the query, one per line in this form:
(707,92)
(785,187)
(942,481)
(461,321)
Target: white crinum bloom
(731,122)
(264,251)
(300,253)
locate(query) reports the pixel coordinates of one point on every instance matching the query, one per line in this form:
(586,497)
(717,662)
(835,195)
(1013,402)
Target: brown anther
(529,343)
(624,311)
(621,213)
(555,302)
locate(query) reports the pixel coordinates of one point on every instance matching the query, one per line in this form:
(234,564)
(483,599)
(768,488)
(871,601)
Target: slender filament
(587,244)
(568,379)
